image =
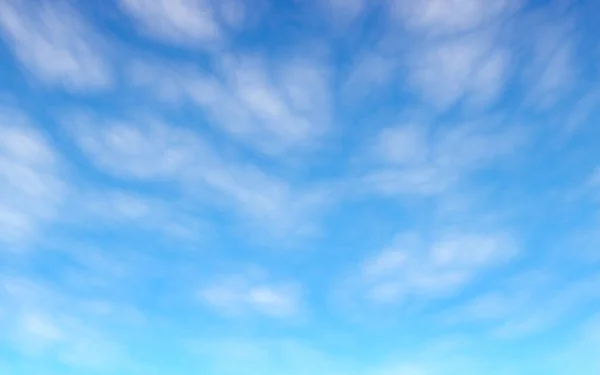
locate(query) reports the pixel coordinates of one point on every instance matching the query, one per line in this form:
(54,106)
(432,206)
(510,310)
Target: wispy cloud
(455,49)
(39,323)
(526,304)
(470,68)
(272,113)
(144,149)
(417,160)
(273,107)
(438,17)
(414,267)
(31,178)
(181,21)
(469,52)
(147,150)
(119,209)
(53,42)
(250,293)
(554,69)
(189,23)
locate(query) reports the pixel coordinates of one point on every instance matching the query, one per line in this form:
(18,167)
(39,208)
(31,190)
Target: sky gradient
(321,187)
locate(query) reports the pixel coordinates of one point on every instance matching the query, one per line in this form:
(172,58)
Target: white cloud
(439,17)
(239,15)
(272,108)
(415,159)
(146,149)
(403,145)
(491,306)
(34,187)
(470,67)
(343,12)
(548,306)
(41,322)
(473,146)
(468,50)
(413,181)
(54,43)
(120,209)
(185,22)
(525,304)
(415,267)
(30,179)
(455,51)
(273,113)
(552,70)
(40,328)
(283,208)
(248,294)
(151,151)
(256,92)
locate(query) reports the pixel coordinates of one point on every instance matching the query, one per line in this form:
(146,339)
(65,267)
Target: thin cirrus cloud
(117,209)
(36,323)
(462,56)
(410,267)
(470,68)
(270,113)
(451,52)
(31,175)
(426,167)
(439,17)
(527,303)
(274,111)
(204,24)
(145,150)
(414,159)
(249,293)
(56,45)
(183,21)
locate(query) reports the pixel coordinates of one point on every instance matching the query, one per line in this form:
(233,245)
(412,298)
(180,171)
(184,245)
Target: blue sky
(325,187)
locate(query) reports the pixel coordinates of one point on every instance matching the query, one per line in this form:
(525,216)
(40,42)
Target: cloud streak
(54,43)
(415,159)
(249,294)
(411,268)
(154,152)
(31,175)
(187,22)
